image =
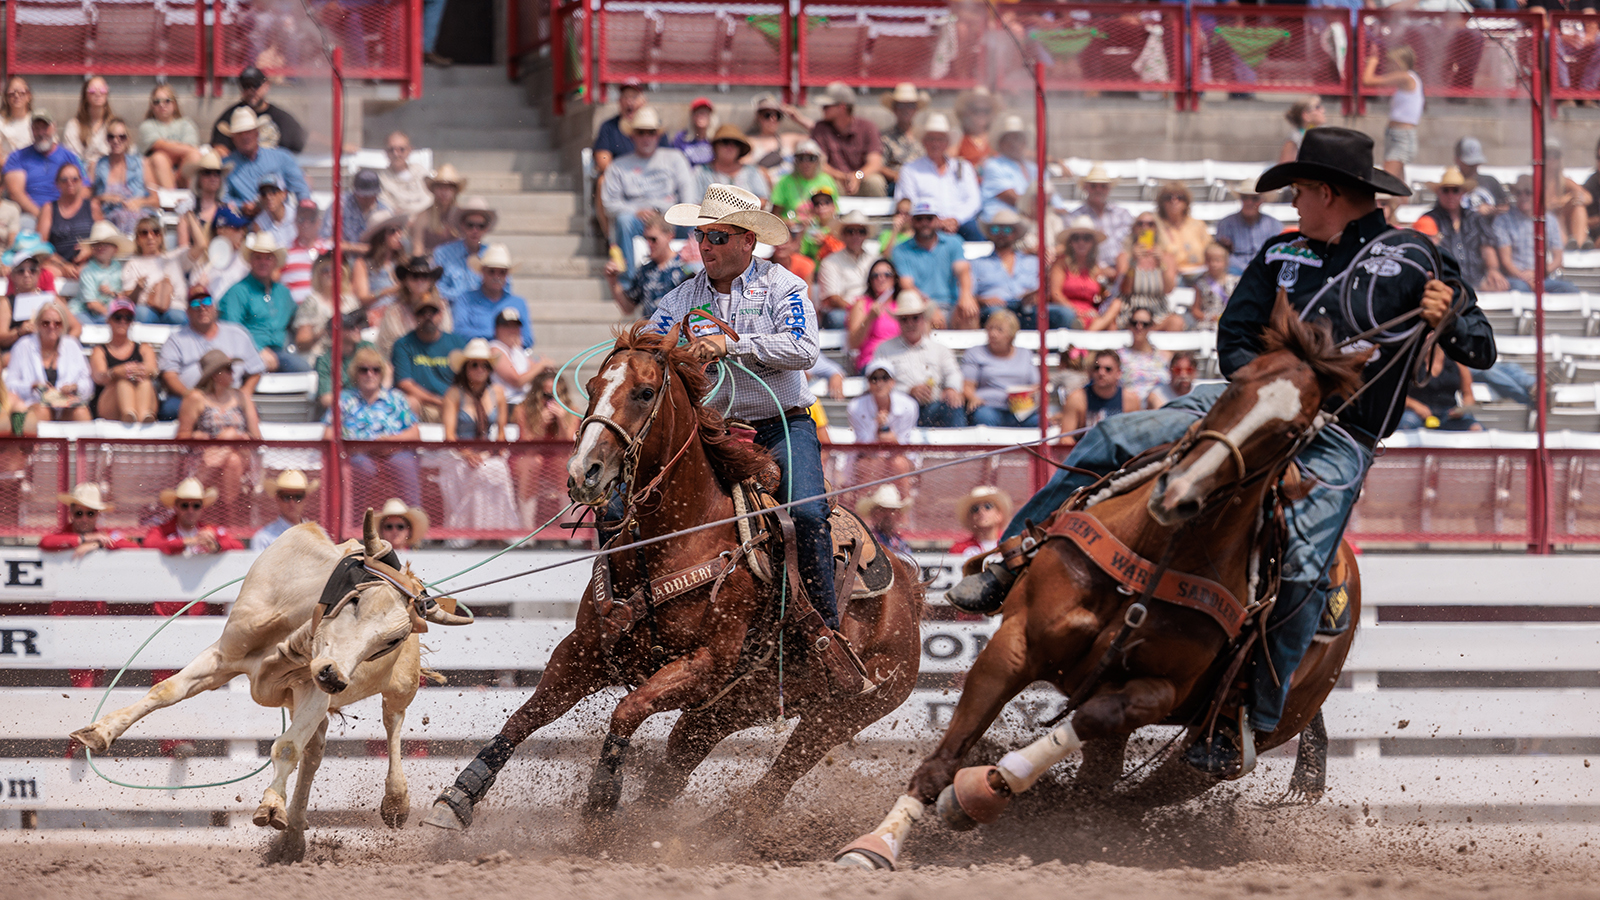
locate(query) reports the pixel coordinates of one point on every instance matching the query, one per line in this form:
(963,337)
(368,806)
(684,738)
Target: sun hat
(1004,217)
(495,256)
(120,305)
(103,232)
(264,242)
(382,224)
(838,94)
(725,204)
(1337,156)
(909,303)
(243,119)
(1245,189)
(476,349)
(854,217)
(208,161)
(887,496)
(189,489)
(1013,124)
(1452,177)
(1097,175)
(646,119)
(87,495)
(418,265)
(906,92)
(982,492)
(808,147)
(212,362)
(476,205)
(767,100)
(1082,225)
(27,244)
(289,480)
(937,123)
(416,518)
(732,132)
(445,174)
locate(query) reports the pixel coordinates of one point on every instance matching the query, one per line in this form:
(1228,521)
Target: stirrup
(846,673)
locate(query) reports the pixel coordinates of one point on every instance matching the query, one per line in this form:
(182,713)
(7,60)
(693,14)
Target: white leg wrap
(897,824)
(1021,768)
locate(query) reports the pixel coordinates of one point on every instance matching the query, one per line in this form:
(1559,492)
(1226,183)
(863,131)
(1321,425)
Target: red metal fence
(1304,51)
(695,43)
(132,37)
(381,39)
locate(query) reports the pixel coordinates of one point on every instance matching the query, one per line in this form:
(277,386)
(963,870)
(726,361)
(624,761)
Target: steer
(317,626)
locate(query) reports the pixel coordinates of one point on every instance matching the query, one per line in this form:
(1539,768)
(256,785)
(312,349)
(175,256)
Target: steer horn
(369,536)
(430,610)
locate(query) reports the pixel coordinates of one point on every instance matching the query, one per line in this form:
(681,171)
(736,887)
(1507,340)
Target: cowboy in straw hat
(82,532)
(852,153)
(289,490)
(881,511)
(183,534)
(900,144)
(475,312)
(103,232)
(1248,229)
(652,177)
(1113,220)
(1462,231)
(949,183)
(842,274)
(252,159)
(1342,235)
(982,512)
(406,527)
(207,162)
(473,220)
(263,306)
(777,343)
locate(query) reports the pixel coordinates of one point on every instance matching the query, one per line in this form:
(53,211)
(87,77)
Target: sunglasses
(122,317)
(396,526)
(475,225)
(149,232)
(1142,223)
(200,302)
(915,318)
(770,114)
(882,274)
(1449,190)
(806,157)
(116,137)
(858,232)
(186,504)
(293,498)
(85,513)
(1138,324)
(714,238)
(1081,239)
(1002,229)
(369,370)
(428,311)
(980,507)
(477,364)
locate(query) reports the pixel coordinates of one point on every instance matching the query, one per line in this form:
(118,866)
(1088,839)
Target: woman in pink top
(1076,280)
(872,319)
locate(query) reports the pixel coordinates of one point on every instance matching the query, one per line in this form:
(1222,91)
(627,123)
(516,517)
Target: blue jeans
(175,315)
(1002,417)
(939,414)
(835,319)
(1509,380)
(403,471)
(1315,523)
(1551,286)
(799,456)
(624,229)
(290,361)
(1028,316)
(432,15)
(1410,421)
(970,230)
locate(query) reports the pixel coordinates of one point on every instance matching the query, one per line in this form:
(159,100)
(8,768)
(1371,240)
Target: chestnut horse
(712,651)
(1065,617)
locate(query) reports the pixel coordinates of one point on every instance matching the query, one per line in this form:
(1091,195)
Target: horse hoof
(955,818)
(93,738)
(973,795)
(268,814)
(869,852)
(442,816)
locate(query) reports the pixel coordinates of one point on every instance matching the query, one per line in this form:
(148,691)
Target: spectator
(368,411)
(16,119)
(1009,279)
(771,149)
(1103,397)
(1180,381)
(1591,186)
(612,141)
(1185,236)
(1211,291)
(100,277)
(1147,274)
(28,287)
(124,372)
(478,482)
(373,274)
(123,184)
(475,311)
(179,360)
(1566,200)
(1488,198)
(253,161)
(514,367)
(1143,366)
(1405,107)
(884,414)
(264,307)
(347,351)
(899,146)
(313,317)
(1302,115)
(168,140)
(729,148)
(1444,401)
(872,319)
(1463,232)
(1000,382)
(1110,219)
(923,367)
(362,206)
(662,271)
(184,535)
(274,218)
(304,247)
(1005,177)
(820,241)
(1077,280)
(49,369)
(288,490)
(65,222)
(226,264)
(852,151)
(899,228)
(694,142)
(85,132)
(422,361)
(983,512)
(539,470)
(842,274)
(650,179)
(82,535)
(934,263)
(1513,238)
(794,189)
(949,184)
(403,183)
(405,527)
(205,177)
(10,222)
(882,512)
(788,255)
(436,225)
(1245,231)
(460,259)
(417,283)
(278,129)
(31,171)
(975,111)
(215,410)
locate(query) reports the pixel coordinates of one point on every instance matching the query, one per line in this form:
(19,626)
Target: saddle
(861,566)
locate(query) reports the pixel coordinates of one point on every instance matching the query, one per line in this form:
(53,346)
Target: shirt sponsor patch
(1381,267)
(1294,252)
(1288,274)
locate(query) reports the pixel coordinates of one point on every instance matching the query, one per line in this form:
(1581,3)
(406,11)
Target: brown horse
(1066,616)
(711,649)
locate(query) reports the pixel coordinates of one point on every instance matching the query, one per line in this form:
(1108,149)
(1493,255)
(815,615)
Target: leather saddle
(861,565)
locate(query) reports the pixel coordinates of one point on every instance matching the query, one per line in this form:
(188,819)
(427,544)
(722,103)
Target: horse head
(1270,403)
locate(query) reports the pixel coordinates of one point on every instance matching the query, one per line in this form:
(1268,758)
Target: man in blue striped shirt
(253,163)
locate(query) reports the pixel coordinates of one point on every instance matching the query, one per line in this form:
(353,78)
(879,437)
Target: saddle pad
(874,572)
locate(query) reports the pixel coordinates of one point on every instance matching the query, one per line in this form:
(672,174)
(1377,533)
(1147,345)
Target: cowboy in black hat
(1336,188)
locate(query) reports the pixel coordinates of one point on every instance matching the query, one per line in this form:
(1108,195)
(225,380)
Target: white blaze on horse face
(613,378)
(1275,402)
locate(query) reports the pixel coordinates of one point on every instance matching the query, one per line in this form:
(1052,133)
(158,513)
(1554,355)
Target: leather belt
(793,412)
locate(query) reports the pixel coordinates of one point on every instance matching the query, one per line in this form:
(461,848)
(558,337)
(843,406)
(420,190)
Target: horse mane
(732,460)
(1337,372)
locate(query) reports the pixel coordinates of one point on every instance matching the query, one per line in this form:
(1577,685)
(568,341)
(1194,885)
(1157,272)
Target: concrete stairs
(476,120)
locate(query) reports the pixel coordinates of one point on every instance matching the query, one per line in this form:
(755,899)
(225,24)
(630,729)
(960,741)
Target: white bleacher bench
(286,396)
(871,207)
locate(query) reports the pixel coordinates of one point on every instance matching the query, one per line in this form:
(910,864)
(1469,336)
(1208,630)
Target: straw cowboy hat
(1097,175)
(837,94)
(189,489)
(1336,156)
(885,497)
(103,232)
(495,256)
(264,242)
(855,217)
(906,92)
(243,119)
(87,495)
(1452,177)
(732,132)
(476,349)
(909,303)
(937,123)
(725,204)
(212,362)
(394,220)
(981,494)
(289,480)
(1081,225)
(1012,124)
(208,161)
(446,174)
(975,97)
(1245,189)
(476,205)
(415,517)
(646,119)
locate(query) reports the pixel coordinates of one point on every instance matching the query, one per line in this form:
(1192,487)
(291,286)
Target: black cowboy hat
(1337,156)
(419,265)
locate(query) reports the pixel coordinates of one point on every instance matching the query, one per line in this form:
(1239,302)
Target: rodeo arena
(799,448)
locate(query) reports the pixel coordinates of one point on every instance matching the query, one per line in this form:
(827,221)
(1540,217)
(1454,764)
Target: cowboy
(263,306)
(884,510)
(474,219)
(777,343)
(1110,219)
(1246,230)
(1464,233)
(1336,189)
(405,527)
(278,127)
(475,311)
(252,161)
(289,490)
(184,535)
(898,143)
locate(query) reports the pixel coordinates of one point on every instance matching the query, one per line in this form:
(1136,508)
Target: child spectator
(100,277)
(1211,291)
